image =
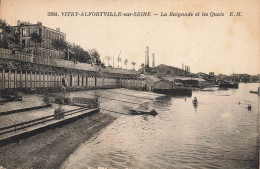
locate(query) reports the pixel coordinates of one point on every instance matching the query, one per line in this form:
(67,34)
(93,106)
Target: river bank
(51,148)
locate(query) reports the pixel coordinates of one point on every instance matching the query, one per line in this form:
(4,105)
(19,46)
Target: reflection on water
(217,133)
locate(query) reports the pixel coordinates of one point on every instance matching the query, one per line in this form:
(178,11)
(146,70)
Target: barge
(168,87)
(233,85)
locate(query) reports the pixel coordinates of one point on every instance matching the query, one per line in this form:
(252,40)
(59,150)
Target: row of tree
(76,53)
(108,58)
(72,52)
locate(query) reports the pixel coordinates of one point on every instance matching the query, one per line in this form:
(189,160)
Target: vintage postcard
(129,84)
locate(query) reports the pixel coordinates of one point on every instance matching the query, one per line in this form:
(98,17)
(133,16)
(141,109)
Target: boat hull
(228,85)
(175,91)
(135,112)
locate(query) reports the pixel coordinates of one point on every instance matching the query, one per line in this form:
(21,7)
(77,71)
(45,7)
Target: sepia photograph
(133,84)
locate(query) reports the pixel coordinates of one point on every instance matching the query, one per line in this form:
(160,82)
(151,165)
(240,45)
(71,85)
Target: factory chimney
(145,60)
(147,56)
(153,61)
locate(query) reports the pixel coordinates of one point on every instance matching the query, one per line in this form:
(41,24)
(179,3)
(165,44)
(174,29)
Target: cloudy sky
(207,44)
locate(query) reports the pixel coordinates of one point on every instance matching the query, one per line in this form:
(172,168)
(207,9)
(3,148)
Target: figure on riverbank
(64,84)
(249,107)
(195,101)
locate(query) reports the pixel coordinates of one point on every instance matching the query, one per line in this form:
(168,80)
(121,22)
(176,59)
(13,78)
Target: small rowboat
(255,92)
(143,112)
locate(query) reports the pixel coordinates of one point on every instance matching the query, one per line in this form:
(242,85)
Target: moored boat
(177,91)
(255,92)
(143,112)
(228,85)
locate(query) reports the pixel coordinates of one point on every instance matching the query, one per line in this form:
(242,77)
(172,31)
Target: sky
(217,44)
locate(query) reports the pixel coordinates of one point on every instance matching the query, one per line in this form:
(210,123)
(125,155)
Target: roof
(166,81)
(170,78)
(54,30)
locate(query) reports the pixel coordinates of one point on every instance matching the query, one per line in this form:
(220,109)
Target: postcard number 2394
(52,14)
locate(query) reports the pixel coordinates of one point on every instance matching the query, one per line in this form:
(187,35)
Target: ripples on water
(219,133)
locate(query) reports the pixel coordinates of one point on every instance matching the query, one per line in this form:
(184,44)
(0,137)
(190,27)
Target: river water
(218,133)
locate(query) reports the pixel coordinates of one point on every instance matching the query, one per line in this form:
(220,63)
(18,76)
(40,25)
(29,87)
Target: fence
(7,54)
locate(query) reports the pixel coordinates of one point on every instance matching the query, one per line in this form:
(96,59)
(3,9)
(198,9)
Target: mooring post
(14,127)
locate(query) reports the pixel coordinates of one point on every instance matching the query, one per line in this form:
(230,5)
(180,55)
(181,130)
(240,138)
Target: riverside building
(44,48)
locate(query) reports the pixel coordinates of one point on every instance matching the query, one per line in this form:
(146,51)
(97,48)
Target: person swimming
(195,100)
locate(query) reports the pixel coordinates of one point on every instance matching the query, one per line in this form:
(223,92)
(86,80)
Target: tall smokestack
(153,61)
(182,66)
(147,56)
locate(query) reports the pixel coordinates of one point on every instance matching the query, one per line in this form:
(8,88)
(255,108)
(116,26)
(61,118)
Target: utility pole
(119,58)
(68,54)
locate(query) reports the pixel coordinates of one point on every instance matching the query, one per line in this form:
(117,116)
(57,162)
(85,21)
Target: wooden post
(43,79)
(26,79)
(21,80)
(15,78)
(86,80)
(9,79)
(258,90)
(54,79)
(40,82)
(3,78)
(14,127)
(51,76)
(31,79)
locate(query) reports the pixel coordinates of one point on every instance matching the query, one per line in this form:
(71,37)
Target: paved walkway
(28,101)
(114,102)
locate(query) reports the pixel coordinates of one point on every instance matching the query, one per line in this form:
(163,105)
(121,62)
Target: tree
(37,39)
(77,54)
(5,27)
(7,36)
(59,44)
(95,56)
(125,62)
(119,59)
(108,58)
(142,65)
(133,63)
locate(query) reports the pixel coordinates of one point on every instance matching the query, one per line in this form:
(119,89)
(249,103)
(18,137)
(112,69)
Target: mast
(233,75)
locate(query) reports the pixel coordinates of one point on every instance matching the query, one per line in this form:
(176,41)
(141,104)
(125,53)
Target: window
(31,31)
(27,32)
(40,31)
(23,43)
(23,32)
